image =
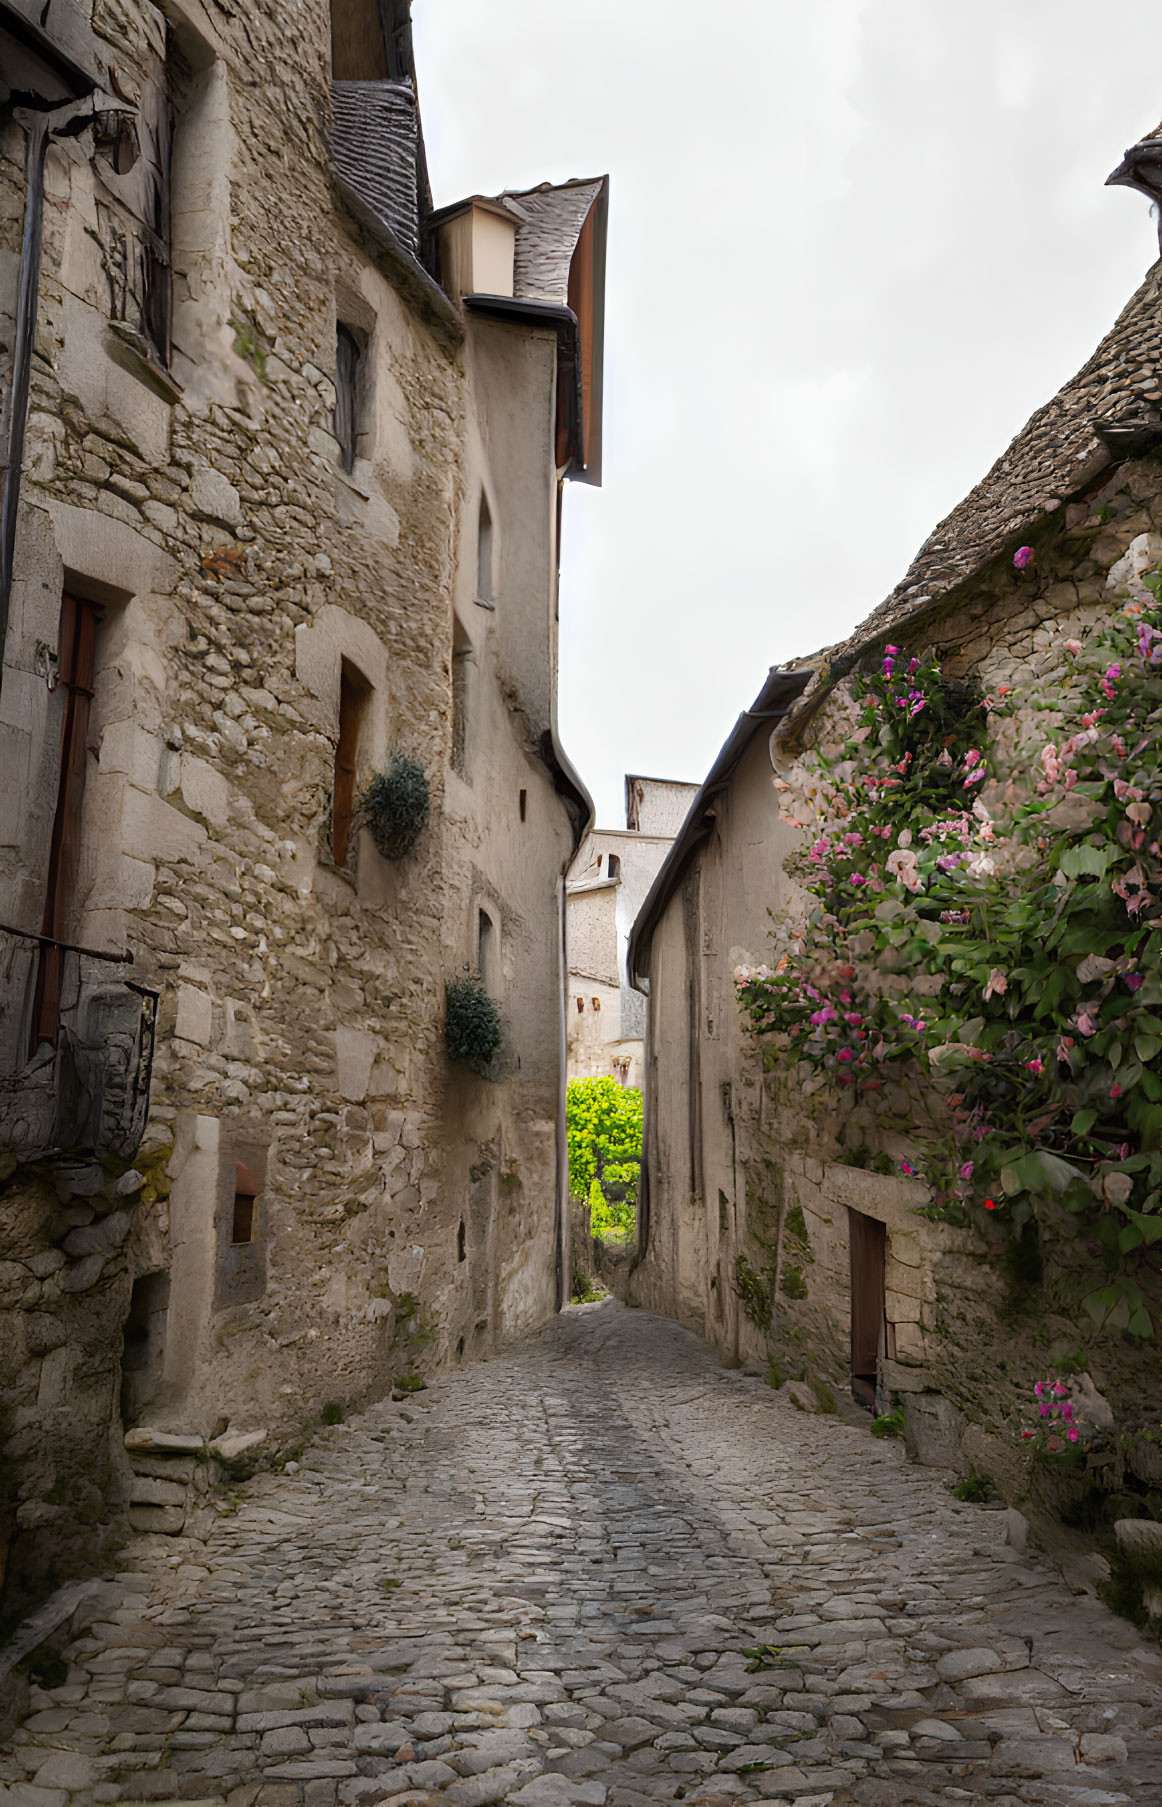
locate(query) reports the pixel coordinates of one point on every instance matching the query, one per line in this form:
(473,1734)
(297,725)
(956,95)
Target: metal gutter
(40,126)
(773,703)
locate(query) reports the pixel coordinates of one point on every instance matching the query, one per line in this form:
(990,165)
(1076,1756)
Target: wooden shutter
(75,666)
(868,1242)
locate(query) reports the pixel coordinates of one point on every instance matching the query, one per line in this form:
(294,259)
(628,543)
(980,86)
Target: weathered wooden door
(867,1239)
(75,667)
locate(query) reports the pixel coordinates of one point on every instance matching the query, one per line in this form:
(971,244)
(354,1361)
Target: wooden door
(868,1241)
(75,666)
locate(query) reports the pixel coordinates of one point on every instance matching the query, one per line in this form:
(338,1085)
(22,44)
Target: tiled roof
(549,222)
(374,147)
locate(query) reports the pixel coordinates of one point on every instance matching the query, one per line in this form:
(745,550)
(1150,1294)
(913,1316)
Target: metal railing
(74,1083)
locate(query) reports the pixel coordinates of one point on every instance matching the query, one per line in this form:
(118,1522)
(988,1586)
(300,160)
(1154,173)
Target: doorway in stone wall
(868,1242)
(143,1354)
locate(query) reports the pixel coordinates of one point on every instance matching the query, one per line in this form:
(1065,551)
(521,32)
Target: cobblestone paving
(537,1583)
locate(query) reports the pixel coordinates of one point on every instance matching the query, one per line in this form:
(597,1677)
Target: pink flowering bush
(1057,1425)
(1008,970)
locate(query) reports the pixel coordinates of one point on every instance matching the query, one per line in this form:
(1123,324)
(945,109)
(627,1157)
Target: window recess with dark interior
(133,167)
(354,691)
(247,1188)
(348,383)
(241,1234)
(461,686)
(484,555)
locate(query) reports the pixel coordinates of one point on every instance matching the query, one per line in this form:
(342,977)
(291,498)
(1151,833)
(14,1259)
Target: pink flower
(1073,647)
(966,1171)
(1072,1435)
(845,1054)
(1050,762)
(1023,557)
(997,985)
(1039,1388)
(1115,1091)
(907,1167)
(1088,1020)
(1036,1065)
(1132,981)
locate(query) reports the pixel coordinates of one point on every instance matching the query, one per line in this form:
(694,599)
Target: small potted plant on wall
(471,1022)
(395,806)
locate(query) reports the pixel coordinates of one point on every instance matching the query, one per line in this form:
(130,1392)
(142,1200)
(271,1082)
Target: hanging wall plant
(395,806)
(471,1023)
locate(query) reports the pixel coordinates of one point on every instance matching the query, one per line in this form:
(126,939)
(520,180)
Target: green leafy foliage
(395,806)
(604,1126)
(1000,961)
(471,1023)
(889,1424)
(754,1292)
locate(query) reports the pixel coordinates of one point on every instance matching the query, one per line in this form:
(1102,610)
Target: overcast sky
(853,245)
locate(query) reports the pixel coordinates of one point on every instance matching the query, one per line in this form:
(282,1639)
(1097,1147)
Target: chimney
(477,248)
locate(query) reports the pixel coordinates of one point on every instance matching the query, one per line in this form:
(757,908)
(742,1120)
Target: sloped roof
(375,148)
(549,221)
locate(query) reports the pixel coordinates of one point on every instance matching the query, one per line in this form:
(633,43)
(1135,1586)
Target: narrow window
(524,804)
(247,1187)
(348,359)
(600,858)
(461,1242)
(461,674)
(580,1006)
(486,950)
(352,706)
(484,552)
(597,1003)
(75,667)
(614,866)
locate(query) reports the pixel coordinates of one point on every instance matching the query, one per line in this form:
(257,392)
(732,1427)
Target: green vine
(984,931)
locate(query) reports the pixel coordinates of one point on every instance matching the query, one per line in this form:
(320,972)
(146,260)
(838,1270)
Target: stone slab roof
(549,222)
(375,147)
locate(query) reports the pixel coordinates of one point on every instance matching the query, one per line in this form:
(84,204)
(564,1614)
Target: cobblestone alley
(537,1581)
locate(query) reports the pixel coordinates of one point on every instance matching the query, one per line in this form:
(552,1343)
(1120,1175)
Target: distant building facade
(284,459)
(608,881)
(776,1217)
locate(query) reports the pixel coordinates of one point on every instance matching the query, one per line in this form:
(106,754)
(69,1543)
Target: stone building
(285,450)
(764,1223)
(607,884)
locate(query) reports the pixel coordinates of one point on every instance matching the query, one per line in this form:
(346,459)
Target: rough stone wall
(750,1174)
(406,1212)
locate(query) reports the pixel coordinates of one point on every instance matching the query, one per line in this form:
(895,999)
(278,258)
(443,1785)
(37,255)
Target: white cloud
(852,246)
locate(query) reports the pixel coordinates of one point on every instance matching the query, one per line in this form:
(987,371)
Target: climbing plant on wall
(984,929)
(604,1126)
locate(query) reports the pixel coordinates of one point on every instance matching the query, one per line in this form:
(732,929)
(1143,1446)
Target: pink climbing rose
(997,985)
(1023,557)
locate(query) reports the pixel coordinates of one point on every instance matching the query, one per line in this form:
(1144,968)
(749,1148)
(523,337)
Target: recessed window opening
(461,1242)
(247,1187)
(486,950)
(348,374)
(461,699)
(484,552)
(600,858)
(524,804)
(353,695)
(580,1005)
(597,1003)
(613,866)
